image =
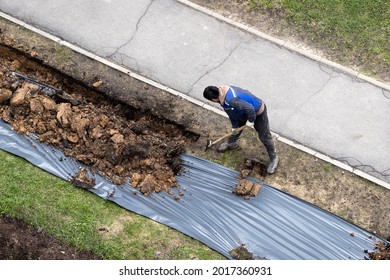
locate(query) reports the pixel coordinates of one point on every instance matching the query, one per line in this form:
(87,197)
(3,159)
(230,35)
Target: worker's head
(211,93)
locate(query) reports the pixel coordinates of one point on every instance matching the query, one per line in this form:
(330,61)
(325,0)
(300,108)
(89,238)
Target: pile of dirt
(112,138)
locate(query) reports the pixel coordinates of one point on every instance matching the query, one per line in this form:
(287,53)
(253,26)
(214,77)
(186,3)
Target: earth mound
(114,139)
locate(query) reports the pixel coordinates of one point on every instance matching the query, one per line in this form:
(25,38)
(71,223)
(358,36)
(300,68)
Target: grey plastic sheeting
(274,225)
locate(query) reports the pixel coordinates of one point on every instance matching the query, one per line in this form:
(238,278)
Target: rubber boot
(272,165)
(225,146)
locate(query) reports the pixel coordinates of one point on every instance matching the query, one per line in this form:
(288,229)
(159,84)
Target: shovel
(209,143)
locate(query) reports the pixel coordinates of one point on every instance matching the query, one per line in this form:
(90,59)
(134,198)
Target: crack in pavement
(132,36)
(123,55)
(322,68)
(365,167)
(324,85)
(386,93)
(219,65)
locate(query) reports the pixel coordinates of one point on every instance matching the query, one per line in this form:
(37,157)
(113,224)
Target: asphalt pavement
(323,108)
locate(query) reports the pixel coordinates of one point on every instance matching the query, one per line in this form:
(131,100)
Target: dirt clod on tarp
(111,138)
(246,189)
(383,254)
(83,180)
(241,253)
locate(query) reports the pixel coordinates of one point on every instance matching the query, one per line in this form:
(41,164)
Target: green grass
(81,218)
(326,167)
(63,54)
(354,32)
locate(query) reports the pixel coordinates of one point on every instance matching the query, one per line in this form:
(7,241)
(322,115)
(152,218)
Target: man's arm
(242,105)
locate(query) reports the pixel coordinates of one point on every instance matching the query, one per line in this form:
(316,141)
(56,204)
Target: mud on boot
(225,146)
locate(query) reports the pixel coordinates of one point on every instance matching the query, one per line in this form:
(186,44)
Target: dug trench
(115,140)
(141,130)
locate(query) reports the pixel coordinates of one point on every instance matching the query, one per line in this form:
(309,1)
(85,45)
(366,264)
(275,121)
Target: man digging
(243,108)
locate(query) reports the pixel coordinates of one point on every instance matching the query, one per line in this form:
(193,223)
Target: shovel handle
(226,136)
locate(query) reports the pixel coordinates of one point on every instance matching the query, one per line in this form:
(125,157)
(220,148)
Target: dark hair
(211,92)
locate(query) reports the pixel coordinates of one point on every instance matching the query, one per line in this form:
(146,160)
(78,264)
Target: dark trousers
(263,131)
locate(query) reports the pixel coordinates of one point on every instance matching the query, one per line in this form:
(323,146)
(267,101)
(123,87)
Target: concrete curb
(190,99)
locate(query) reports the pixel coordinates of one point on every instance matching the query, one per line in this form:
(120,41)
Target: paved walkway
(324,108)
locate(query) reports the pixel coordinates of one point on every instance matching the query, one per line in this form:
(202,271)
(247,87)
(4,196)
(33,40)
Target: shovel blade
(208,144)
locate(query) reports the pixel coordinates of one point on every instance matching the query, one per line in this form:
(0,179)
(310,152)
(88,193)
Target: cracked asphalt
(311,101)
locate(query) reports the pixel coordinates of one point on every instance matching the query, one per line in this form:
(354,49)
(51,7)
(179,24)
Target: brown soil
(241,253)
(115,140)
(383,254)
(246,189)
(18,241)
(137,129)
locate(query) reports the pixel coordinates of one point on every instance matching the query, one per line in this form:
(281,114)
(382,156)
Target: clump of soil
(114,139)
(83,180)
(241,253)
(246,189)
(383,254)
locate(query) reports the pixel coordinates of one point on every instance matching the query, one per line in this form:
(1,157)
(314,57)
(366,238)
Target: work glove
(250,124)
(234,131)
